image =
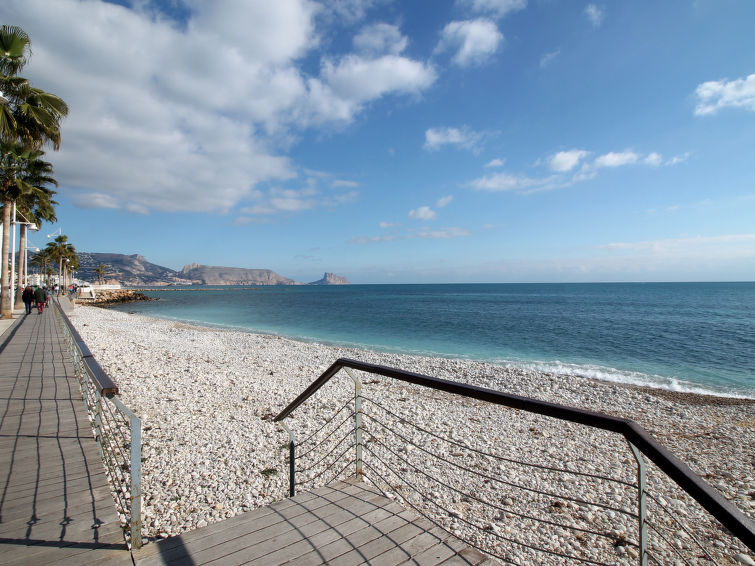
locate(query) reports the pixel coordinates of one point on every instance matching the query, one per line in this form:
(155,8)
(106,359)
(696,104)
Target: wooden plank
(55,502)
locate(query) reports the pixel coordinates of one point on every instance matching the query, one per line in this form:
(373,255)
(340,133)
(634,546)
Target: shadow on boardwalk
(55,502)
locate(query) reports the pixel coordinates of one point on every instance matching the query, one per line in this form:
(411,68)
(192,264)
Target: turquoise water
(685,336)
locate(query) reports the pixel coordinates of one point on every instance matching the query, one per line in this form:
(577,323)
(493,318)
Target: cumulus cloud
(422,213)
(595,14)
(346,85)
(192,118)
(616,159)
(567,160)
(712,96)
(473,41)
(380,39)
(654,159)
(435,138)
(495,8)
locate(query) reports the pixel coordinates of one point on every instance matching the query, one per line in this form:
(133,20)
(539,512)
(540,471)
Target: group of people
(38,296)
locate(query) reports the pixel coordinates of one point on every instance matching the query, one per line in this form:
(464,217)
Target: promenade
(55,502)
(56,506)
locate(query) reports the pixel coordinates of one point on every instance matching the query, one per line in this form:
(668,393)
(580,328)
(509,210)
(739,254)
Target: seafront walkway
(56,506)
(55,502)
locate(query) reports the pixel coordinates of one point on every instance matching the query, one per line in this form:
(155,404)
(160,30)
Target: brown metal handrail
(726,513)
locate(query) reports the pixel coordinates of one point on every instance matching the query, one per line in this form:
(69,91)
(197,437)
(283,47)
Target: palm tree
(60,250)
(34,205)
(29,118)
(101,272)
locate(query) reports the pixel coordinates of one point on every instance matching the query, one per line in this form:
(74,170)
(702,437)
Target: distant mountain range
(135,270)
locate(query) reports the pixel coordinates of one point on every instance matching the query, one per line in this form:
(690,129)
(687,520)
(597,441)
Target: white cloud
(654,159)
(502,182)
(679,245)
(474,41)
(435,138)
(422,213)
(595,14)
(567,160)
(616,159)
(496,8)
(677,159)
(444,201)
(415,233)
(193,118)
(380,39)
(548,58)
(439,233)
(349,11)
(495,163)
(96,200)
(715,95)
(343,183)
(347,85)
(388,224)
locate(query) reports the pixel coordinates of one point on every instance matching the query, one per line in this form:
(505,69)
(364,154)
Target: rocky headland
(136,271)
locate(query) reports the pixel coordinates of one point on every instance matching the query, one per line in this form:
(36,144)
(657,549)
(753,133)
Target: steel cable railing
(115,428)
(528,507)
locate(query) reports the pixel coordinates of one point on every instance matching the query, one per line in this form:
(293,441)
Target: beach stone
(211,450)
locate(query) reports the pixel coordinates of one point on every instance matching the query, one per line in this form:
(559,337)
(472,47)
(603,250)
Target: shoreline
(690,397)
(206,396)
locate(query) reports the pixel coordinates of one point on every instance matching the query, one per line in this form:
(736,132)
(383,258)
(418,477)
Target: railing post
(136,482)
(358,422)
(641,504)
(291,460)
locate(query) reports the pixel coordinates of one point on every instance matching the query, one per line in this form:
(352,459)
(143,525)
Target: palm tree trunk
(20,285)
(6,310)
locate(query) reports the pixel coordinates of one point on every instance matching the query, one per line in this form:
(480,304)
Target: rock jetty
(114,297)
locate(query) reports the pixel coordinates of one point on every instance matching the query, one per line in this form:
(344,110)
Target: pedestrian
(41,297)
(28,297)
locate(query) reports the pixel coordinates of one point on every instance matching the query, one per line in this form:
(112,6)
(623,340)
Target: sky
(427,141)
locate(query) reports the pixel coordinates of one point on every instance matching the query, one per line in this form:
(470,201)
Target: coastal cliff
(213,275)
(135,270)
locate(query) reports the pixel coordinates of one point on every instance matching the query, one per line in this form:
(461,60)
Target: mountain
(135,270)
(331,279)
(211,275)
(129,270)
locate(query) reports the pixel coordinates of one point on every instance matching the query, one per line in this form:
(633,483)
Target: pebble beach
(207,397)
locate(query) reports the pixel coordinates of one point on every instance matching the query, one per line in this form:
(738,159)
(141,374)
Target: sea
(696,337)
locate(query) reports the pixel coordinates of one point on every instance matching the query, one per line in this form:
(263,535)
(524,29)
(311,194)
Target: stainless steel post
(291,460)
(358,422)
(641,504)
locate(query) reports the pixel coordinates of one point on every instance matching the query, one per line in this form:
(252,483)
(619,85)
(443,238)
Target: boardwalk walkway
(56,506)
(55,503)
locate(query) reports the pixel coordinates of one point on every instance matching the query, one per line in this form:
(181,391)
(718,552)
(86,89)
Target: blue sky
(391,141)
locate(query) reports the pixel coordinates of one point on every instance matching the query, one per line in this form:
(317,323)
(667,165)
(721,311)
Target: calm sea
(685,336)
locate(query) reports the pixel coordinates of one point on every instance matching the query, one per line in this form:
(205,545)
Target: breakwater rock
(116,297)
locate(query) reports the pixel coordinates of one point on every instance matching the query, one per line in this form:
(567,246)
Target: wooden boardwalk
(342,524)
(56,506)
(55,503)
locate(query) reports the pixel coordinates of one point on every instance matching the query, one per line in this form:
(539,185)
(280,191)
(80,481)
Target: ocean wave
(614,375)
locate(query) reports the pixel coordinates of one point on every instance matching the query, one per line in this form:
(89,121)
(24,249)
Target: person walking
(40,295)
(28,296)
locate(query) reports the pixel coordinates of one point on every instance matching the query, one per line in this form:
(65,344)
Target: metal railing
(116,429)
(641,505)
